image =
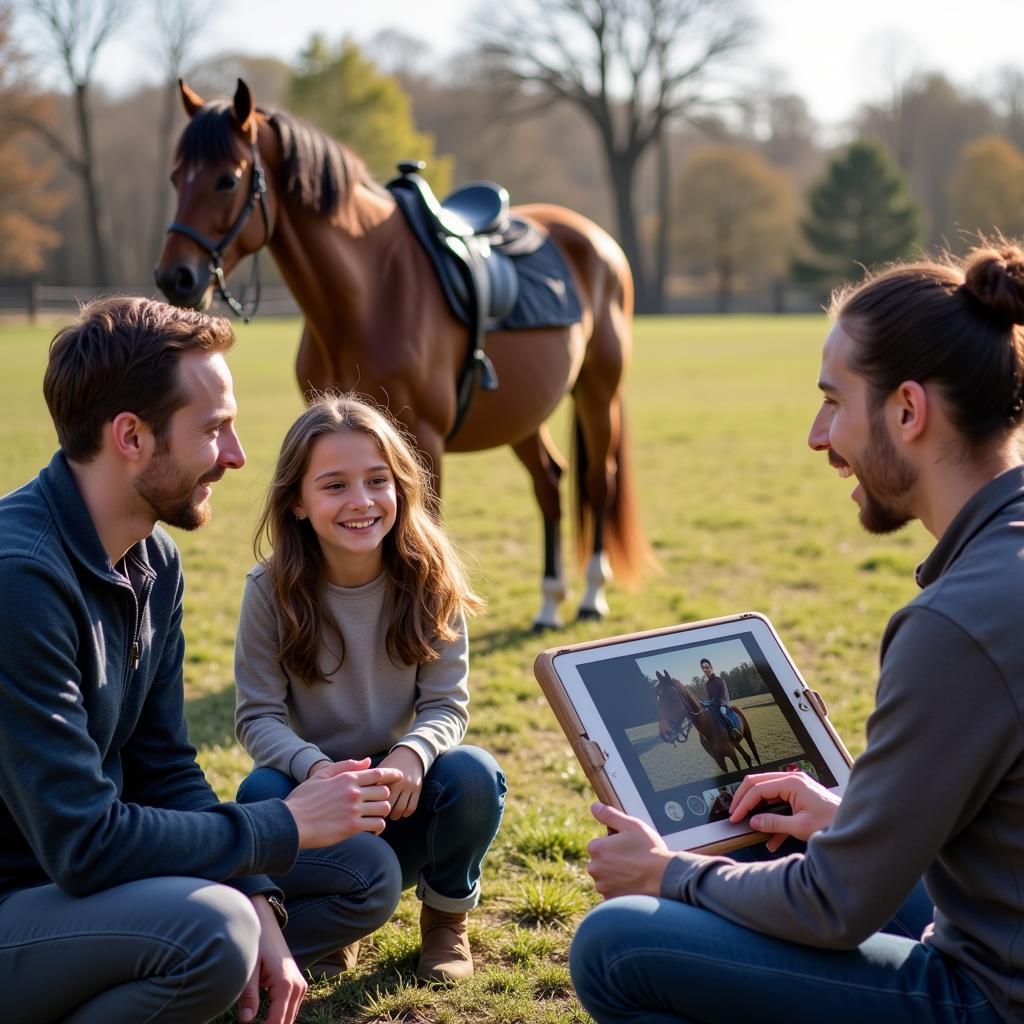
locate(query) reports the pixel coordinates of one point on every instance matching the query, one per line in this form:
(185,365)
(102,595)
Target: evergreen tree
(861,215)
(341,91)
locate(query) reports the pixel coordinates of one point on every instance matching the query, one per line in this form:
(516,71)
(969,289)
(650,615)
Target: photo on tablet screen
(691,720)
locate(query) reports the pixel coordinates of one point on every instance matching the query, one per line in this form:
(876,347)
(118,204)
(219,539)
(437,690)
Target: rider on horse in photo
(718,700)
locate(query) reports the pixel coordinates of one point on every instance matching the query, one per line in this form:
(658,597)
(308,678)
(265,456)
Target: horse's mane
(320,172)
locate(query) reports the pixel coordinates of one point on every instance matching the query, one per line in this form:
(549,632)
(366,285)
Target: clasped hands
(341,798)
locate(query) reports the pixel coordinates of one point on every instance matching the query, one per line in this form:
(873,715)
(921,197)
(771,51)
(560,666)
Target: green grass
(742,516)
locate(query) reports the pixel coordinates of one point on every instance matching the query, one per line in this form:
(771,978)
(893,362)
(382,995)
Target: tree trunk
(657,295)
(158,227)
(725,285)
(101,269)
(622,167)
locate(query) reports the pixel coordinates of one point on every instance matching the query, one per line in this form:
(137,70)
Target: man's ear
(911,409)
(131,437)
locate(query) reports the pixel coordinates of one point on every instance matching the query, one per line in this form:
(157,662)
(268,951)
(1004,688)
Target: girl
(352,644)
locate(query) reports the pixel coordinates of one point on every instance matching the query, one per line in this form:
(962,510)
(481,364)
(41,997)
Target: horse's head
(672,711)
(225,209)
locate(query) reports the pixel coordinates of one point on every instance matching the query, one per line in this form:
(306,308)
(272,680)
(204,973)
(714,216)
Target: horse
(376,320)
(679,711)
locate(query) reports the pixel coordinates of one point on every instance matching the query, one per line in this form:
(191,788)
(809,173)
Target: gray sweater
(939,789)
(368,704)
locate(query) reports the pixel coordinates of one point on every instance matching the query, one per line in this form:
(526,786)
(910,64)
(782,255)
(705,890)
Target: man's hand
(340,800)
(405,794)
(630,860)
(276,971)
(813,806)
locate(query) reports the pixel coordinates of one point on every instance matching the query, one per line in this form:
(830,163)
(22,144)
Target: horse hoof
(589,615)
(540,628)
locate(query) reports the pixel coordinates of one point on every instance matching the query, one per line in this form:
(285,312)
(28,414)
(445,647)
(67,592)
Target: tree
(74,32)
(632,67)
(1008,103)
(987,190)
(27,204)
(178,24)
(734,212)
(860,215)
(924,125)
(341,91)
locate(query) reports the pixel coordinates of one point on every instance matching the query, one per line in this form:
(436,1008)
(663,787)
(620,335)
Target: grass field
(742,516)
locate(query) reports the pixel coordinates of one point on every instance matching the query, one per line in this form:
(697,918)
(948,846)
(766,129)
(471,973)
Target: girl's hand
(813,806)
(405,794)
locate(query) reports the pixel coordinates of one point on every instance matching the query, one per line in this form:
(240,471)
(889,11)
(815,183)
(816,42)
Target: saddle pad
(547,296)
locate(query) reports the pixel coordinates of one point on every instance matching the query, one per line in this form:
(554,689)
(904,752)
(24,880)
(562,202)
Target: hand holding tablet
(668,724)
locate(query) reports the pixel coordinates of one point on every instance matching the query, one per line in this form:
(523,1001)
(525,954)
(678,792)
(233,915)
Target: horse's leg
(752,745)
(748,736)
(545,466)
(606,493)
(596,439)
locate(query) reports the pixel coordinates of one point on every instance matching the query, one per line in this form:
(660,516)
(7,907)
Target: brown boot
(336,963)
(444,952)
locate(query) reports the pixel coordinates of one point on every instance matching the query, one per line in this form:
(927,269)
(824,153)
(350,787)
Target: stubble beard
(168,492)
(886,484)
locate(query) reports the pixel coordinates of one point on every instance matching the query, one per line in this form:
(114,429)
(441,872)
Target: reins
(257,191)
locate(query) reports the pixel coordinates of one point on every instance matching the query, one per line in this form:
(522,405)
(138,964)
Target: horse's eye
(226,183)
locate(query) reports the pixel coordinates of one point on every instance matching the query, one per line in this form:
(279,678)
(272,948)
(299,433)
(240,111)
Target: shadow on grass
(512,637)
(211,719)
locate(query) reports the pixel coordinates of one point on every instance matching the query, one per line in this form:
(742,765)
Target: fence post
(33,300)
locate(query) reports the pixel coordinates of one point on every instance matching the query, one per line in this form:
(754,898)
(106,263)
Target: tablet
(644,716)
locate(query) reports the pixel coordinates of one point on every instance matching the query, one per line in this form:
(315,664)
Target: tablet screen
(687,718)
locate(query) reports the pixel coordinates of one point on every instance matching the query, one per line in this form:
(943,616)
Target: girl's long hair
(430,585)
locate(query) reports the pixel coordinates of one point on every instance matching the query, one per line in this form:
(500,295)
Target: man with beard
(923,384)
(112,844)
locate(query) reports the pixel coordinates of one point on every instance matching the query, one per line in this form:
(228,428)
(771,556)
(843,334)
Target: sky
(834,53)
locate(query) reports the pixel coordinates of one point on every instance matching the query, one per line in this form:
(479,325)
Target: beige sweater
(368,705)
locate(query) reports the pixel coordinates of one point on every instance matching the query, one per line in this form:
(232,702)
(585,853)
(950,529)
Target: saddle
(471,240)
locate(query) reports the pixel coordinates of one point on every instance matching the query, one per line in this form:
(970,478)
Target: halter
(257,190)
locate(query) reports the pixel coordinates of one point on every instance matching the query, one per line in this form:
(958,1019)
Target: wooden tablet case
(589,753)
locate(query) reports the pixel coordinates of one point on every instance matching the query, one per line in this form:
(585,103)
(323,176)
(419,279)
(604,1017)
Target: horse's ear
(243,109)
(190,99)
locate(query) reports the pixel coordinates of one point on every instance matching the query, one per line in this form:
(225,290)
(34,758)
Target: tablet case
(589,753)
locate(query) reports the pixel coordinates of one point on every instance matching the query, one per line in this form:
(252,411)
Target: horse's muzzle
(183,284)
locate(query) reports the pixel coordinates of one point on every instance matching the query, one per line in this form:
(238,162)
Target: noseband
(257,191)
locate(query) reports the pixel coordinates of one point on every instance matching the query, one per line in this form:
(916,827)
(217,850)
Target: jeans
(654,961)
(174,950)
(439,848)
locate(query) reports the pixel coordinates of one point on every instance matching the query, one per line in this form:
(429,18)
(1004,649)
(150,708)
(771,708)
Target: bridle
(682,730)
(257,191)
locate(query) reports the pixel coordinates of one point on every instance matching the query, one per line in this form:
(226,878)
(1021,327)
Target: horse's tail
(623,534)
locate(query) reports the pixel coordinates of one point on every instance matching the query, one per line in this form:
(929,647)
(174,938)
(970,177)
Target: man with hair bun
(113,846)
(922,377)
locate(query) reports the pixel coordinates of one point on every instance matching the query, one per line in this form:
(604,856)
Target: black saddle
(462,236)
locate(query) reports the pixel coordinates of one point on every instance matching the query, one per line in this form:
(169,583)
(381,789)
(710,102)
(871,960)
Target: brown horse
(376,319)
(679,711)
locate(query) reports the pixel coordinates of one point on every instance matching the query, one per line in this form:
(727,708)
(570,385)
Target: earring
(299,516)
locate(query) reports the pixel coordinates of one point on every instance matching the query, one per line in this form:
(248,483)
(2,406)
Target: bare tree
(178,25)
(1008,102)
(74,32)
(631,66)
(28,202)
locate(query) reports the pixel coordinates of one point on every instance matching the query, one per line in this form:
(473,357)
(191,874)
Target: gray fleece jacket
(939,789)
(98,782)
